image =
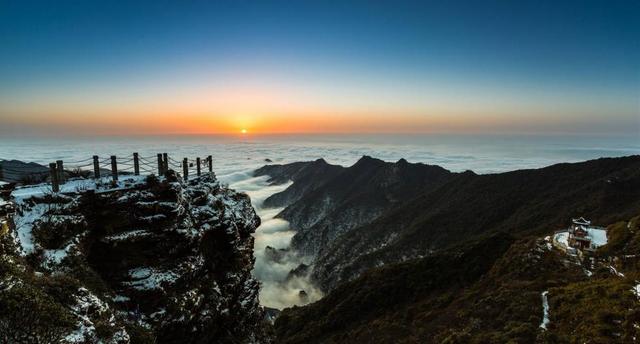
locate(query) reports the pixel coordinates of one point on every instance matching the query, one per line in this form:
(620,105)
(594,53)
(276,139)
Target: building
(585,237)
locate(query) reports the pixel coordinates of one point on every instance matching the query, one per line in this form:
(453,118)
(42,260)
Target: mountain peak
(368,160)
(320,161)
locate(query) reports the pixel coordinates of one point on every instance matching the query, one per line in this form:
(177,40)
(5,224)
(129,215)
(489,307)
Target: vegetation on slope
(467,295)
(392,304)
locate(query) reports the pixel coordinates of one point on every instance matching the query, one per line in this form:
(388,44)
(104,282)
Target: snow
(24,222)
(547,241)
(121,298)
(615,272)
(146,278)
(29,214)
(78,185)
(562,238)
(598,236)
(85,331)
(56,256)
(545,310)
(152,218)
(636,290)
(140,233)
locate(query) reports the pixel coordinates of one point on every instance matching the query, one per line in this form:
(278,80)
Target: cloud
(276,291)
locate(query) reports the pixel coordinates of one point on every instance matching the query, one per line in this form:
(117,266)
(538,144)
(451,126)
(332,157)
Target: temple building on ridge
(585,237)
(580,237)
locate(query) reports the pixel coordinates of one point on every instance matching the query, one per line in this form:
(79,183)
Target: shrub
(140,335)
(31,316)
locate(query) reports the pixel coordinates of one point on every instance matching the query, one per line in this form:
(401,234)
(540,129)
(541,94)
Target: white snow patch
(80,185)
(545,310)
(563,238)
(85,331)
(128,235)
(24,221)
(151,218)
(615,272)
(121,298)
(636,290)
(598,236)
(148,279)
(55,257)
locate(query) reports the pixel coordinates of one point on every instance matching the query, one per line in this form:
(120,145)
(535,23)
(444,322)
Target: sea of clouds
(276,291)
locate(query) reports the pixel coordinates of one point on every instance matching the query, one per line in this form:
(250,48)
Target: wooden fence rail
(115,166)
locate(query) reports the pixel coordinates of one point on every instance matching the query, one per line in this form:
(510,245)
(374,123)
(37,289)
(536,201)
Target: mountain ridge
(354,196)
(459,207)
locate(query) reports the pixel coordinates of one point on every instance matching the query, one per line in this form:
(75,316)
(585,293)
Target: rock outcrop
(155,260)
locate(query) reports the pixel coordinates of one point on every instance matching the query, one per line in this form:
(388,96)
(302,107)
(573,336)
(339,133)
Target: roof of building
(581,221)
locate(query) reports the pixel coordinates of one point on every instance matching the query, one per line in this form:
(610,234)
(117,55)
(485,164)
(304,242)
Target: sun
(244,131)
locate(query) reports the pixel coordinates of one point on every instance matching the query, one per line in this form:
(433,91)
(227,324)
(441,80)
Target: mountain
(350,197)
(493,289)
(306,177)
(375,213)
(15,171)
(141,261)
(520,202)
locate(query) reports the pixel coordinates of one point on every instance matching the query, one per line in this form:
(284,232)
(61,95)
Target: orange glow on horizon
(159,119)
(146,123)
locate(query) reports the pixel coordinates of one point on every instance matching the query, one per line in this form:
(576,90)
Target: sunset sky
(186,67)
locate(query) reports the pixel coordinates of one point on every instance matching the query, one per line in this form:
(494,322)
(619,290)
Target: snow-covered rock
(171,258)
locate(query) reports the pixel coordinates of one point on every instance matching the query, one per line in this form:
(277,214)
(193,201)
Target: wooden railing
(114,166)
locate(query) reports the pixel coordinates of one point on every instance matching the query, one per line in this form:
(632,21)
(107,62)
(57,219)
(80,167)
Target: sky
(198,67)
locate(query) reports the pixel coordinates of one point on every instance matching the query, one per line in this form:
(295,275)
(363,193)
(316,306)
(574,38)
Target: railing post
(160,164)
(54,177)
(136,164)
(60,169)
(96,167)
(114,168)
(210,163)
(185,169)
(198,166)
(165,158)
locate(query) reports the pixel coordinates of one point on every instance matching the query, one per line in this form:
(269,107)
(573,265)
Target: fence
(112,166)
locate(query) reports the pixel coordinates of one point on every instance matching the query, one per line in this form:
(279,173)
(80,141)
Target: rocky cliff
(144,261)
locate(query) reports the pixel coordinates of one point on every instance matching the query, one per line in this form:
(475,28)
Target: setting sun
(244,131)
